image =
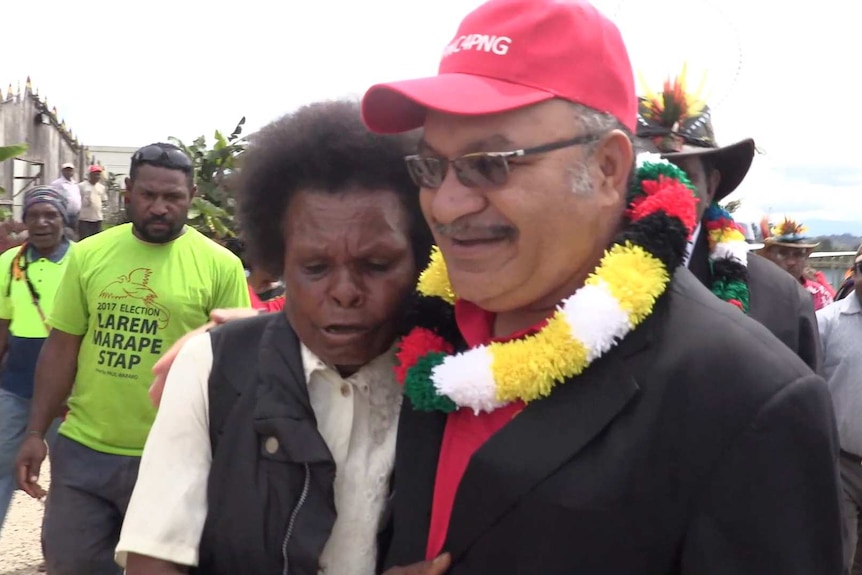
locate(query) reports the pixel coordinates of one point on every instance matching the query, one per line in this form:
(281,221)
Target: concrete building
(25,118)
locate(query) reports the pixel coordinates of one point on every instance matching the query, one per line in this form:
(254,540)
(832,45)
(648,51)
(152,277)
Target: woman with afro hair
(273,448)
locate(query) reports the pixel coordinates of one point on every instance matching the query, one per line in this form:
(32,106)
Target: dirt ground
(20,550)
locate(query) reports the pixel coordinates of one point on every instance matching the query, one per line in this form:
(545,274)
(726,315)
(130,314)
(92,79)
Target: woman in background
(274,443)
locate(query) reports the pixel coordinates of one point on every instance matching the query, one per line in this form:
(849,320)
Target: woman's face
(348,268)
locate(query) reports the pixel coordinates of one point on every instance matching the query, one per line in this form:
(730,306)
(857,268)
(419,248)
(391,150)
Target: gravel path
(20,549)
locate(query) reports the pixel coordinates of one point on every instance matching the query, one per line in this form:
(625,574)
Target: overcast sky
(129,76)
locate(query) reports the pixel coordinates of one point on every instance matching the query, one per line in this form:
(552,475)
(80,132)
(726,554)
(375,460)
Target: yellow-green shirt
(131,301)
(27,330)
(16,301)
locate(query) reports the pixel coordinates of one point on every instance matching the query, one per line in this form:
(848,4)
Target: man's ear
(614,156)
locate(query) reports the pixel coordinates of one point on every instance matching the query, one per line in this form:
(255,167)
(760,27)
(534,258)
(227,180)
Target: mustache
(466,230)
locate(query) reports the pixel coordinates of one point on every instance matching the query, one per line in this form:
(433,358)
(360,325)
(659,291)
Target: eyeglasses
(157,154)
(481,169)
(857,267)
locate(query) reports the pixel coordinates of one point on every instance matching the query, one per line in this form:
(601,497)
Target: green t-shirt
(16,301)
(131,301)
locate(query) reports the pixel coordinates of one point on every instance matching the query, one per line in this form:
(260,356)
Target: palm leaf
(9,152)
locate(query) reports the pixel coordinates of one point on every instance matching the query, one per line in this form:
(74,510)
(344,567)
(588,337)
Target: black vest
(270,490)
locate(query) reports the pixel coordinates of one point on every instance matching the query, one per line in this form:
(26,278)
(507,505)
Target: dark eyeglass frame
(474,170)
(157,154)
(857,267)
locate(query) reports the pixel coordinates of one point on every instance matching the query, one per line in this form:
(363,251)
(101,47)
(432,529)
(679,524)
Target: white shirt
(689,248)
(72,193)
(357,418)
(93,198)
(840,326)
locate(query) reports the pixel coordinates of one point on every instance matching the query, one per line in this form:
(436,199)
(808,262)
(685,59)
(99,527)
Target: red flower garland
(724,223)
(418,342)
(666,195)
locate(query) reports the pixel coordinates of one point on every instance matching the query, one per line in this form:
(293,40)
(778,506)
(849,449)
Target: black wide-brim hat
(732,162)
(694,137)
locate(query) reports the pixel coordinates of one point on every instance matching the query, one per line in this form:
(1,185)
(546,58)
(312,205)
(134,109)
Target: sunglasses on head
(480,169)
(157,154)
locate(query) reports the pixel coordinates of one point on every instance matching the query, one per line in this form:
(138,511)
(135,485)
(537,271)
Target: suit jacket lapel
(545,435)
(417,451)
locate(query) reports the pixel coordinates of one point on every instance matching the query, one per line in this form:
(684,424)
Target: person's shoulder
(247,326)
(834,310)
(6,256)
(764,275)
(236,338)
(104,244)
(718,369)
(111,238)
(725,342)
(207,247)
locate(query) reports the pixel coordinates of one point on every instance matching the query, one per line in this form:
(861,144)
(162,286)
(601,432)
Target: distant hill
(838,243)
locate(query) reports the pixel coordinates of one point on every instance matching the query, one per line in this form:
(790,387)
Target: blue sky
(129,77)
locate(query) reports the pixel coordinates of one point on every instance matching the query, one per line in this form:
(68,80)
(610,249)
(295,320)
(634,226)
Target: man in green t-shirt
(127,295)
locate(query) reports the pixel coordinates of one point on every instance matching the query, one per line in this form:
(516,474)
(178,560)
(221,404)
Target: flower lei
(728,255)
(439,375)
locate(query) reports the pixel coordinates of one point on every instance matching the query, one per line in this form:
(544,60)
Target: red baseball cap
(508,54)
(95,168)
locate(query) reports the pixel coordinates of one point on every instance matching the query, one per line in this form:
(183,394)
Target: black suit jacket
(699,446)
(777,301)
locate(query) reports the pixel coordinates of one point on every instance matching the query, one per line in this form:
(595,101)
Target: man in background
(719,253)
(840,327)
(127,295)
(69,187)
(787,246)
(94,194)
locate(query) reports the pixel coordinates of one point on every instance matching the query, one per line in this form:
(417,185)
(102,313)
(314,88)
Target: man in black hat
(679,127)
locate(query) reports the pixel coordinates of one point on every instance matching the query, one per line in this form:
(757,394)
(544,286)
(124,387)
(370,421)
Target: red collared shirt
(465,432)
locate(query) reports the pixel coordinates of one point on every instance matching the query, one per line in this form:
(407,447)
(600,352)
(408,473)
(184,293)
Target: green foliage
(116,212)
(212,210)
(9,152)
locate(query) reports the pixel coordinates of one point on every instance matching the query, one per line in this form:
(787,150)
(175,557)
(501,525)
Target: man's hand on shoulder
(163,366)
(438,566)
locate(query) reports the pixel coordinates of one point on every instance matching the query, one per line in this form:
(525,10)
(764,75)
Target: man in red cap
(93,198)
(601,412)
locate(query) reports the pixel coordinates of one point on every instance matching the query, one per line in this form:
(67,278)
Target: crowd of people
(489,321)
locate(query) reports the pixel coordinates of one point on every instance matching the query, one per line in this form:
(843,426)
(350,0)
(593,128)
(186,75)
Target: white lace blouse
(357,418)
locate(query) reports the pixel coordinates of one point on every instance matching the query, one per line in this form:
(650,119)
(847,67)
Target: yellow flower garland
(617,297)
(529,368)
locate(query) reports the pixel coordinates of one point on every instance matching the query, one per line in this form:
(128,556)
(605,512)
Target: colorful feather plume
(765,231)
(674,104)
(788,228)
